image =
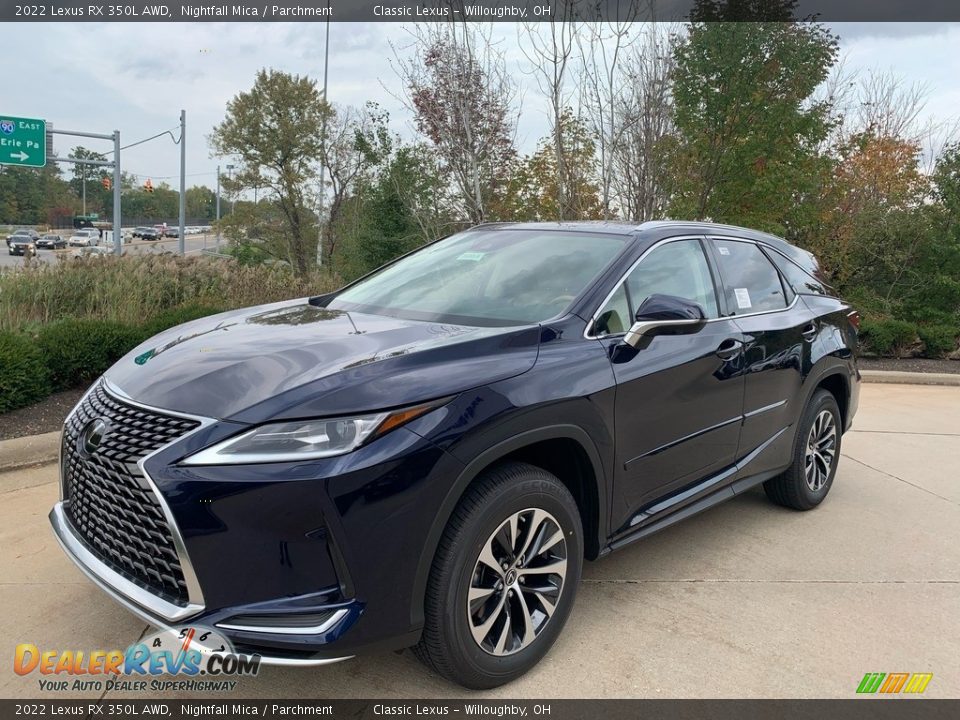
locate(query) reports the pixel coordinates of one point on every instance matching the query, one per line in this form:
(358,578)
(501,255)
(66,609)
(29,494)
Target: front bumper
(302,563)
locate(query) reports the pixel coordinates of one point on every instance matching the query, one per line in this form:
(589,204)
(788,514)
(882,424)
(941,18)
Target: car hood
(296,360)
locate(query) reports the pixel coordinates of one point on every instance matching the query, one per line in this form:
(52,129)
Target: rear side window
(751,282)
(800,279)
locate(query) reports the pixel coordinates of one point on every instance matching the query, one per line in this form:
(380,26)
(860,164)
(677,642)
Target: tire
(449,644)
(795,487)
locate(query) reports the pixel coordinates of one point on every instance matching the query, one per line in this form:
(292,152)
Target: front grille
(109,502)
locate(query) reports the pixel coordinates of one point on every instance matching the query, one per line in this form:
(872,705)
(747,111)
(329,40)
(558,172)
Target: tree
(645,106)
(461,95)
(549,49)
(275,131)
(747,129)
(534,192)
(355,141)
(87,181)
(201,203)
(601,85)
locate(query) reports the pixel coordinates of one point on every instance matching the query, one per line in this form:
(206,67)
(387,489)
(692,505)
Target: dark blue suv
(425,457)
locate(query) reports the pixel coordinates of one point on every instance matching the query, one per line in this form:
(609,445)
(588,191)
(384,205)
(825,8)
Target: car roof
(655,230)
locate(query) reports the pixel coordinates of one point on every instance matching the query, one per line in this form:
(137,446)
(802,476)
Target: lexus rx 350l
(425,457)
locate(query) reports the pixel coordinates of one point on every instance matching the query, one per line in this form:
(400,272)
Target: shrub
(76,352)
(23,373)
(133,289)
(177,316)
(888,338)
(938,340)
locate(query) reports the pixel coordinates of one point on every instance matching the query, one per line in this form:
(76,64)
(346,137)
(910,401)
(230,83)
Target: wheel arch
(566,451)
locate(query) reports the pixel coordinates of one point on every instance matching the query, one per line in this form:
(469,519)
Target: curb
(901,377)
(32,450)
(27,451)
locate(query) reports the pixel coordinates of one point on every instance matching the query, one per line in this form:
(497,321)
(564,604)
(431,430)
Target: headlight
(306,439)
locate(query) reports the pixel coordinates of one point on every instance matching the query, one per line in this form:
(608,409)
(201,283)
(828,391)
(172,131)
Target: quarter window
(802,281)
(751,282)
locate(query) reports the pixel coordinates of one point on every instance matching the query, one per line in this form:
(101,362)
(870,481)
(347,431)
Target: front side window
(751,282)
(676,268)
(486,277)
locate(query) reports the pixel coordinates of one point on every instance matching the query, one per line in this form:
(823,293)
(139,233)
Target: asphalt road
(194,244)
(745,600)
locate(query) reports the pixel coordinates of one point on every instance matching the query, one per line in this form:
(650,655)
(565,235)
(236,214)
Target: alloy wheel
(517,582)
(821,450)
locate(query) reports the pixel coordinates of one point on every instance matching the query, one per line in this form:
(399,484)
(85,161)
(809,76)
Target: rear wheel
(816,452)
(504,579)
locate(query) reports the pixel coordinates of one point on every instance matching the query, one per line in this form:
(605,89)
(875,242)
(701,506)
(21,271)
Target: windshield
(486,277)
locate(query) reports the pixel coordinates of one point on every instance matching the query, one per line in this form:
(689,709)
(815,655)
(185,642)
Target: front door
(679,398)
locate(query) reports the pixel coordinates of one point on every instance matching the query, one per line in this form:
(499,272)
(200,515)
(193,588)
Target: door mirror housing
(665,315)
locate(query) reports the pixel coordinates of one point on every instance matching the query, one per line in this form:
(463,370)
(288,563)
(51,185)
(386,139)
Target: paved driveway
(746,600)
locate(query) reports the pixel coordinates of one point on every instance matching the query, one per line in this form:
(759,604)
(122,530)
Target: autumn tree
(747,129)
(549,49)
(275,132)
(461,96)
(534,190)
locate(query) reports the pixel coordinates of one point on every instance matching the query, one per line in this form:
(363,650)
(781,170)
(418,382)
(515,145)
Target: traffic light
(107,184)
(148,185)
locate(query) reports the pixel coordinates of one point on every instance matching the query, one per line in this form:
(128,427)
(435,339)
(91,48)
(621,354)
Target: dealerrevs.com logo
(201,659)
(894,683)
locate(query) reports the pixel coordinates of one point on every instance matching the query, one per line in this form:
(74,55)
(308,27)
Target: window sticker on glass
(722,250)
(743,298)
(471,256)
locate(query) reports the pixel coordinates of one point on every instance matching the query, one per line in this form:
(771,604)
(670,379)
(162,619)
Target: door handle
(729,349)
(809,332)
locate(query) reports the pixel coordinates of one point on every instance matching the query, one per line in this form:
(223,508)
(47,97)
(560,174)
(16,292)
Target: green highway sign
(23,141)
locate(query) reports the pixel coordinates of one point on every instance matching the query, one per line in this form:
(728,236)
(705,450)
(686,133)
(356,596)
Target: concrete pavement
(746,600)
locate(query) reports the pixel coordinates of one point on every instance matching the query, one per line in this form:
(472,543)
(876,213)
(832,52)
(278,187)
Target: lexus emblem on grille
(92,435)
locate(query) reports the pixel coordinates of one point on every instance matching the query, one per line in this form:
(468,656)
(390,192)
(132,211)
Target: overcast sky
(136,78)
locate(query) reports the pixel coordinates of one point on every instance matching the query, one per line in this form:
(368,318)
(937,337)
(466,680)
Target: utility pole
(183,181)
(233,199)
(218,207)
(117,237)
(323,142)
(83,175)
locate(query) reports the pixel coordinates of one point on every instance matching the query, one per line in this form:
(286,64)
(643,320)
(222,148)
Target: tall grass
(132,290)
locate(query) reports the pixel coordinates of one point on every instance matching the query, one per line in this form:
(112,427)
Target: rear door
(679,398)
(777,328)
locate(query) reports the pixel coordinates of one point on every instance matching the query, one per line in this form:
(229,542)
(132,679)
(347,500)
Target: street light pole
(183,181)
(323,142)
(233,199)
(218,207)
(117,232)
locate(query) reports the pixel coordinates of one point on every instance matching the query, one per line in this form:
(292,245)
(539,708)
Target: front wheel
(816,452)
(504,578)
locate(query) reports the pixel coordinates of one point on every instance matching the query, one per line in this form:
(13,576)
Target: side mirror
(665,315)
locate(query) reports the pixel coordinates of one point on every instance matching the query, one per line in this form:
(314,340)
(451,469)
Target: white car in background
(86,237)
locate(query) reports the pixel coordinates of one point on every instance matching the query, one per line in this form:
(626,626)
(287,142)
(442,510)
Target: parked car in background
(87,252)
(21,245)
(172,232)
(51,242)
(436,448)
(85,237)
(29,232)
